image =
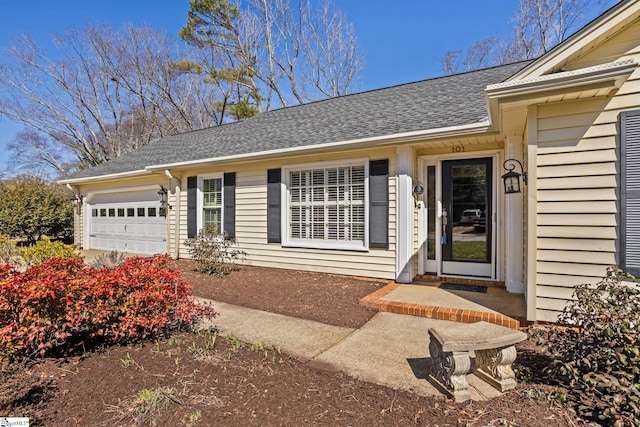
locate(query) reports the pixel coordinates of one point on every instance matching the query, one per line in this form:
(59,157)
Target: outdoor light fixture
(76,201)
(512,178)
(418,189)
(163,197)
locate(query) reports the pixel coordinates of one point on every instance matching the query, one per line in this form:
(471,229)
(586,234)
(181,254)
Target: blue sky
(402,40)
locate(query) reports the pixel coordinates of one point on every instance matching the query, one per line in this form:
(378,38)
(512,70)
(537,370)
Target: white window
(210,202)
(326,206)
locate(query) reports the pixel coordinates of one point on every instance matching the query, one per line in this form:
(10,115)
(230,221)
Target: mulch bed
(325,298)
(196,383)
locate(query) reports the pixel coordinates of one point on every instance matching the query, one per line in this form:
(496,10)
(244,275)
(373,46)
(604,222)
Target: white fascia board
(462,130)
(615,72)
(611,19)
(89,179)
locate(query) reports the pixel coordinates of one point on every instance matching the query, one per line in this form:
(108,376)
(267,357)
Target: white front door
(466,220)
(459,210)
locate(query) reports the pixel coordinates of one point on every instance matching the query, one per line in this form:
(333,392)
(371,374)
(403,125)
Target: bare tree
(538,26)
(108,93)
(275,52)
(105,92)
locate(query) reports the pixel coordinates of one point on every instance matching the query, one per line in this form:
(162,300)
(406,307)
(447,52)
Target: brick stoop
(376,301)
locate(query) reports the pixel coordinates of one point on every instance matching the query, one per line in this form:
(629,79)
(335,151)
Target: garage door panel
(127,222)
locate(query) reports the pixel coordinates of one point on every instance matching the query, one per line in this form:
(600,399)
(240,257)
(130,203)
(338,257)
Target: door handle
(443,239)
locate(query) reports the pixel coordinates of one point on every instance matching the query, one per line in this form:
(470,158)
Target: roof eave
(407,137)
(88,179)
(615,73)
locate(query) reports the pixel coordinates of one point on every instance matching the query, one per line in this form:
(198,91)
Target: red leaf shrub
(63,301)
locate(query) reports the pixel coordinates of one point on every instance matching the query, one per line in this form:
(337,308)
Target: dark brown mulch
(203,386)
(325,298)
(198,384)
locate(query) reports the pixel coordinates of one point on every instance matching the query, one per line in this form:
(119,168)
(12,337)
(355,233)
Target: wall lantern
(163,197)
(511,178)
(76,201)
(418,190)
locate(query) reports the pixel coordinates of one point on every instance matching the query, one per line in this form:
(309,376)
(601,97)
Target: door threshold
(459,279)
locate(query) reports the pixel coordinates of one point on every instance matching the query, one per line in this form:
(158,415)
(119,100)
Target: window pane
(212,192)
(212,217)
(141,211)
(163,212)
(103,212)
(327,204)
(112,212)
(120,211)
(151,211)
(94,212)
(131,212)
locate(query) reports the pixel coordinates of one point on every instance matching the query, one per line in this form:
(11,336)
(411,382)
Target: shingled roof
(449,101)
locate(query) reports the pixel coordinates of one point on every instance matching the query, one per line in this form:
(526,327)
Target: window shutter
(229,200)
(273,206)
(379,204)
(630,192)
(192,207)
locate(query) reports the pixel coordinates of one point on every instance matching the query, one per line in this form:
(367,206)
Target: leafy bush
(44,250)
(31,207)
(8,249)
(112,259)
(595,350)
(213,252)
(62,302)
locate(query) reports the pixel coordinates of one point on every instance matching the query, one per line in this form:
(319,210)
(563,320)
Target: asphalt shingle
(429,104)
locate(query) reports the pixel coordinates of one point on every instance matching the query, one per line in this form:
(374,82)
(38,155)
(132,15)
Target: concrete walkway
(390,350)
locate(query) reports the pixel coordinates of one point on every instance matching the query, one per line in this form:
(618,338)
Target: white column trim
(514,223)
(404,214)
(532,211)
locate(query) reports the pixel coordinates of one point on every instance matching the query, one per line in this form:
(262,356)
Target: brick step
(376,301)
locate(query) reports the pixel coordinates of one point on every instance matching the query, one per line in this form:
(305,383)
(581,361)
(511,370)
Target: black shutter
(229,199)
(630,192)
(273,206)
(379,204)
(192,207)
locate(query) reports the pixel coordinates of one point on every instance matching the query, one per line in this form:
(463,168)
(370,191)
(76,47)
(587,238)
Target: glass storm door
(466,221)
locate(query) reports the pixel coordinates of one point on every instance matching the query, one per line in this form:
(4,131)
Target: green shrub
(44,250)
(112,259)
(8,250)
(595,350)
(214,253)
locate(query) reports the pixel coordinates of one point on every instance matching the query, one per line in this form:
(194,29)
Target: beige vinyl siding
(78,227)
(578,178)
(251,223)
(577,208)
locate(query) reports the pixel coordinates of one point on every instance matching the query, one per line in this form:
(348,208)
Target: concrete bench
(494,350)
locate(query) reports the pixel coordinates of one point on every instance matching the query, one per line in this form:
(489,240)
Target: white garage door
(128,222)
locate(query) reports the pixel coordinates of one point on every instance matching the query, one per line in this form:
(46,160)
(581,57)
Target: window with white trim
(212,203)
(327,206)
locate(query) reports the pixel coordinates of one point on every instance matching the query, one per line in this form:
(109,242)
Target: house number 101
(457,149)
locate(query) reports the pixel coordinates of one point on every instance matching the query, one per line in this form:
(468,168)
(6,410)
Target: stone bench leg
(494,367)
(451,368)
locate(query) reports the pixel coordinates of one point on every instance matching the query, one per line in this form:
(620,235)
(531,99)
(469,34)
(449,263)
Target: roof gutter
(615,72)
(462,130)
(130,174)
